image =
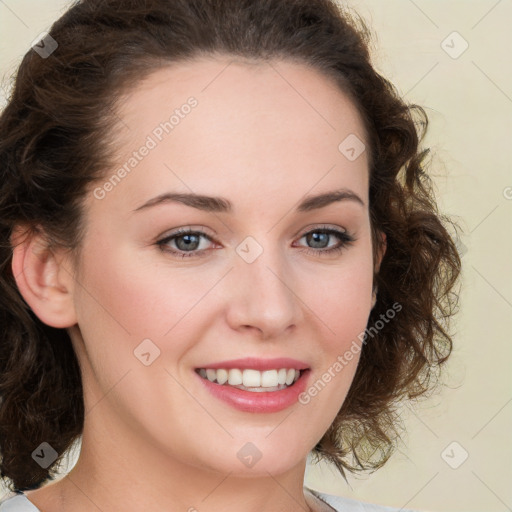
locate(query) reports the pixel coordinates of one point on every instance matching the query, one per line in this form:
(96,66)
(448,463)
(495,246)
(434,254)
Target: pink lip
(264,402)
(258,364)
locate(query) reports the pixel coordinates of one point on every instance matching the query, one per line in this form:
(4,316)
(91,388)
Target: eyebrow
(222,205)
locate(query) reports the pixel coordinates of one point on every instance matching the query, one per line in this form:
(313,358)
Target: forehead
(249,90)
(252,124)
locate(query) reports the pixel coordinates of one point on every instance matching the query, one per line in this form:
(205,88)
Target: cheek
(129,295)
(122,304)
(124,300)
(339,297)
(340,307)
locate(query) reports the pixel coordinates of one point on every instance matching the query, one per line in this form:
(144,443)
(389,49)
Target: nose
(262,296)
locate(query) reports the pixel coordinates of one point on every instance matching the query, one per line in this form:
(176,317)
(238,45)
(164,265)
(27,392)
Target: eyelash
(345,241)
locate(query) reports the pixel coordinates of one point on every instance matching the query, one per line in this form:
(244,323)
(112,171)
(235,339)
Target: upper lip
(257,364)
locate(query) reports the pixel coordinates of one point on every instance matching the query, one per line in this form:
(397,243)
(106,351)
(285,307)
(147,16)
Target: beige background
(469,101)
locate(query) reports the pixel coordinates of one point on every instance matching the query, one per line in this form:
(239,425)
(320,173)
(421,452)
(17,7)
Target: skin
(263,136)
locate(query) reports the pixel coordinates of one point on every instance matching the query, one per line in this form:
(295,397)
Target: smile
(251,379)
(255,391)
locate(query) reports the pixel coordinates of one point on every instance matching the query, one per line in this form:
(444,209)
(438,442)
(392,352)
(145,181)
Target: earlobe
(43,281)
(374,296)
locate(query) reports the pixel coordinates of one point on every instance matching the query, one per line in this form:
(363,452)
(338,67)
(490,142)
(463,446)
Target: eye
(320,238)
(186,241)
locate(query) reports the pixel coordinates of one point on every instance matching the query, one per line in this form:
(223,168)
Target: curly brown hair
(64,104)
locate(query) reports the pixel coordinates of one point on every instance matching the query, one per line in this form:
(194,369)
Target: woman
(220,252)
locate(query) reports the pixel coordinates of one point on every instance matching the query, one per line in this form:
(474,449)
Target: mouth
(250,379)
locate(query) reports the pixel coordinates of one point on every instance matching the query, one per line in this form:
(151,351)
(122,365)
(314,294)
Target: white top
(341,504)
(20,503)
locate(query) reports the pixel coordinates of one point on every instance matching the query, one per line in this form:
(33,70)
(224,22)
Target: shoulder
(341,504)
(17,503)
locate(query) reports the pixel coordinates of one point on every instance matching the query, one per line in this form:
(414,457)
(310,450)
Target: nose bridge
(265,299)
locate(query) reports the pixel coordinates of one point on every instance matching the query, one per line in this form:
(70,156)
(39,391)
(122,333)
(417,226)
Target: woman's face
(257,282)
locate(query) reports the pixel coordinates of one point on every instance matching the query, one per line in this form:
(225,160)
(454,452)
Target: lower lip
(266,401)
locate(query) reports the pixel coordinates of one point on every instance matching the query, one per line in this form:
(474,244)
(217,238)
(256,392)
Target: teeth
(222,376)
(252,380)
(269,378)
(235,377)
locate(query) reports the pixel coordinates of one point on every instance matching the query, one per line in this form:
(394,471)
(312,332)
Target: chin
(247,459)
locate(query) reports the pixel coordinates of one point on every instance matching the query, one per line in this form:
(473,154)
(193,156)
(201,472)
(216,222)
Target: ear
(42,278)
(381,251)
(380,254)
